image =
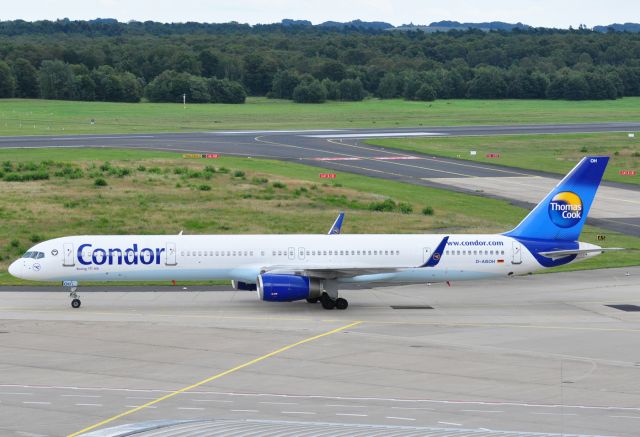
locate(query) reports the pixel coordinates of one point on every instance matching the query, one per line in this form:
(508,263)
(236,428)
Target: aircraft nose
(15,268)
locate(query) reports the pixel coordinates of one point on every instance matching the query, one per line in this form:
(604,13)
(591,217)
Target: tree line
(105,60)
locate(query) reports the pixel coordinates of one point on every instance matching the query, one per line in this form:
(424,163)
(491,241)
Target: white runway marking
(352,414)
(379,135)
(483,411)
(36,403)
(297,412)
(245,411)
(83,396)
(234,132)
(278,403)
(88,405)
(400,418)
(212,400)
(190,408)
(346,406)
(450,423)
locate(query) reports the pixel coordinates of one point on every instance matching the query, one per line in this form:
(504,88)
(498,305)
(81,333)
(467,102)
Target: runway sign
(627,172)
(327,175)
(493,155)
(200,155)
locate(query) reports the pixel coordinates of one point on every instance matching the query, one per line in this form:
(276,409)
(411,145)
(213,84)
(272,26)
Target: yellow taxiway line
(214,377)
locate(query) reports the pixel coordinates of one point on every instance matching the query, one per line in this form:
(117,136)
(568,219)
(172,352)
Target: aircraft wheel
(75,303)
(312,300)
(342,304)
(327,302)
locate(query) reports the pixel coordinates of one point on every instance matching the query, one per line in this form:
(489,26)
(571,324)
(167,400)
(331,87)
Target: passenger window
(181,253)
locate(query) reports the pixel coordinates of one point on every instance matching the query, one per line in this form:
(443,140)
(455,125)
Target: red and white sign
(493,155)
(212,156)
(627,173)
(327,175)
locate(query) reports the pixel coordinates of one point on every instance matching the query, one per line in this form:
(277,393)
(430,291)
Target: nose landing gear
(75,298)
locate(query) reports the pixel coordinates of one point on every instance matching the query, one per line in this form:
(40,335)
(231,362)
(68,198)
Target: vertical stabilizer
(562,214)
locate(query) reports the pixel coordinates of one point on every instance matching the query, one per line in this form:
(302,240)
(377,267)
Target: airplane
(285,268)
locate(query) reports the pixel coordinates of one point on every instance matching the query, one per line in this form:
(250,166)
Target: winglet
(435,258)
(336,228)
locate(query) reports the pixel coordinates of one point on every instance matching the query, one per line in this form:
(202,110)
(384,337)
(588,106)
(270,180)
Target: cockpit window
(34,255)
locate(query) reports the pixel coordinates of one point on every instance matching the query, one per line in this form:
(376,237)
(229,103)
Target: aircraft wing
(325,272)
(555,254)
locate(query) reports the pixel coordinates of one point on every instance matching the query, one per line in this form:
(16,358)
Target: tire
(75,303)
(327,302)
(313,300)
(341,303)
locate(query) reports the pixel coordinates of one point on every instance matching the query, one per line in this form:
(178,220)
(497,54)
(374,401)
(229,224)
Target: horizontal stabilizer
(555,254)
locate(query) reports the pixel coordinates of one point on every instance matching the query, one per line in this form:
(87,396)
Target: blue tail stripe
(562,214)
(435,258)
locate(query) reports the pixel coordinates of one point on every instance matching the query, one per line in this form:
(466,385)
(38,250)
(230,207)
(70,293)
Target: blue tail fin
(561,215)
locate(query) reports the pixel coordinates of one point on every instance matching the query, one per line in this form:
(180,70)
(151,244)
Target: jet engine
(287,288)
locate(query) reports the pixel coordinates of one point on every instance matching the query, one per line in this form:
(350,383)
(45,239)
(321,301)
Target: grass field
(44,117)
(550,153)
(156,192)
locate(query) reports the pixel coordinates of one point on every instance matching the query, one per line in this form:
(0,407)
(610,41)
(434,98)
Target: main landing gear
(329,303)
(75,298)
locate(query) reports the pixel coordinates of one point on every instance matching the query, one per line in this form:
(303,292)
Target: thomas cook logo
(436,256)
(565,209)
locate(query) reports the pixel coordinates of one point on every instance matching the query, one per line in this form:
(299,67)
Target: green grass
(46,117)
(152,192)
(550,153)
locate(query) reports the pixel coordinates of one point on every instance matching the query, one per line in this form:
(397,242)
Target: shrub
(100,182)
(204,187)
(238,174)
(279,185)
(405,208)
(427,210)
(35,238)
(142,168)
(260,181)
(386,205)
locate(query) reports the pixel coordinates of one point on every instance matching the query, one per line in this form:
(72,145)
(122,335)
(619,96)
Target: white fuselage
(244,257)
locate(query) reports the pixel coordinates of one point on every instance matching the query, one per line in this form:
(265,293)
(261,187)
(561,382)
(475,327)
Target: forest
(106,60)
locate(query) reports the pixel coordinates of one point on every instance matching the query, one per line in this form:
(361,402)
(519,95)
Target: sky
(538,13)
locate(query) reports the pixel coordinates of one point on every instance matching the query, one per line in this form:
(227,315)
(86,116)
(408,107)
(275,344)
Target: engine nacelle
(239,285)
(287,288)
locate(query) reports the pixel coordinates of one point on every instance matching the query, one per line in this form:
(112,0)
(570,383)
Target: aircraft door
(301,253)
(170,259)
(426,254)
(69,259)
(292,253)
(517,253)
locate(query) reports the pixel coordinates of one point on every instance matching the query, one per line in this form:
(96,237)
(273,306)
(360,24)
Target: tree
(310,92)
(331,69)
(211,63)
(351,89)
(488,83)
(170,86)
(332,88)
(284,82)
(26,77)
(426,93)
(57,81)
(7,81)
(258,73)
(226,91)
(389,86)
